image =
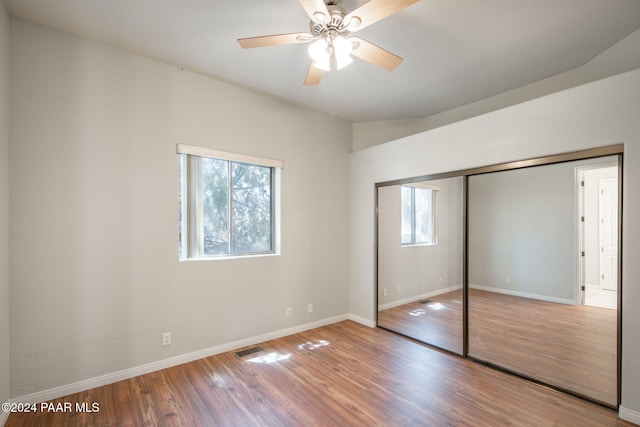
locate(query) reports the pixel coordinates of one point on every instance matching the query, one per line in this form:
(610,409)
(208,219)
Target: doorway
(598,202)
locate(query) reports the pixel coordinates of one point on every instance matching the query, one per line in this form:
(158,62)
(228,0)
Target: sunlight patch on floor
(269,358)
(313,345)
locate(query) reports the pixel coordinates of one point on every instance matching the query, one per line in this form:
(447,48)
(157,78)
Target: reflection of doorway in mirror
(599,236)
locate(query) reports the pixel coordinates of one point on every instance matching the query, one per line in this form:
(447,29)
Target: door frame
(580,223)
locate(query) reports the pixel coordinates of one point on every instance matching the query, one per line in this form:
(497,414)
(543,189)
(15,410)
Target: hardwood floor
(437,322)
(571,347)
(343,374)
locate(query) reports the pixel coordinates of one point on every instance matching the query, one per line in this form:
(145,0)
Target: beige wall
(95,277)
(523,224)
(410,273)
(4,205)
(596,114)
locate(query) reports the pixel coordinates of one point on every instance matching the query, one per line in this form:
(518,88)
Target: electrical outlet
(440,279)
(398,289)
(384,292)
(310,308)
(166,338)
(507,280)
(287,312)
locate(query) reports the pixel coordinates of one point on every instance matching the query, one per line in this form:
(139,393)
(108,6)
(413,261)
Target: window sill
(412,245)
(230,257)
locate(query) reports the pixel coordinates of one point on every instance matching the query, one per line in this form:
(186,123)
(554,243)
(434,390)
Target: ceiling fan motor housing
(333,24)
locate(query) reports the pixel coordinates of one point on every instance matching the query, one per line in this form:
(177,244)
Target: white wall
(4,204)
(597,114)
(622,57)
(423,270)
(95,277)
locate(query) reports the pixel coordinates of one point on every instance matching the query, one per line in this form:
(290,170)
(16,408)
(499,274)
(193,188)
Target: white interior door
(608,212)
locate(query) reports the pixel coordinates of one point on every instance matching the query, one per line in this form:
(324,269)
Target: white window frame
(434,221)
(191,237)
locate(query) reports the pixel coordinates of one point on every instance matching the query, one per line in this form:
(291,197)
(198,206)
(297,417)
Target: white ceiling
(455,51)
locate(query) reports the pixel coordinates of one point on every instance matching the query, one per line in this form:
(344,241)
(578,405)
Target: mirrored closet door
(420,268)
(514,265)
(542,245)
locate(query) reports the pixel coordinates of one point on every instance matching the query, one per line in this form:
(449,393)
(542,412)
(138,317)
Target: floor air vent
(248,351)
(425,301)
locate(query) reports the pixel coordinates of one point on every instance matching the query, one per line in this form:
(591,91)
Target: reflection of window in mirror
(419,214)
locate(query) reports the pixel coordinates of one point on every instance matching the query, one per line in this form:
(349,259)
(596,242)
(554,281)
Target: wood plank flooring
(343,374)
(437,322)
(571,347)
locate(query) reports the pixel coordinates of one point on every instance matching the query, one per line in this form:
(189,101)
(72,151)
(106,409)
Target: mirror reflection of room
(420,268)
(543,274)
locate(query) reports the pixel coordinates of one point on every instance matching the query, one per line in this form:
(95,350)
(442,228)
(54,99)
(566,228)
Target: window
(418,215)
(228,204)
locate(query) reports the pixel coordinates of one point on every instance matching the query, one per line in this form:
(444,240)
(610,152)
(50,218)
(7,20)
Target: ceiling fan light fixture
(320,52)
(342,61)
(323,64)
(342,51)
(342,46)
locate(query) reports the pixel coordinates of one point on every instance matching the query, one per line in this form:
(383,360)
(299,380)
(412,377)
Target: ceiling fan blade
(375,10)
(275,40)
(313,75)
(375,55)
(313,6)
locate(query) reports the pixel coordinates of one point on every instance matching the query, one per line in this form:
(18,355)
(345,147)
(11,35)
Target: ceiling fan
(330,36)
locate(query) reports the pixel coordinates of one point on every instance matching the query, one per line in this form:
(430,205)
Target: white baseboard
(419,297)
(524,294)
(4,416)
(362,321)
(629,415)
(57,392)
